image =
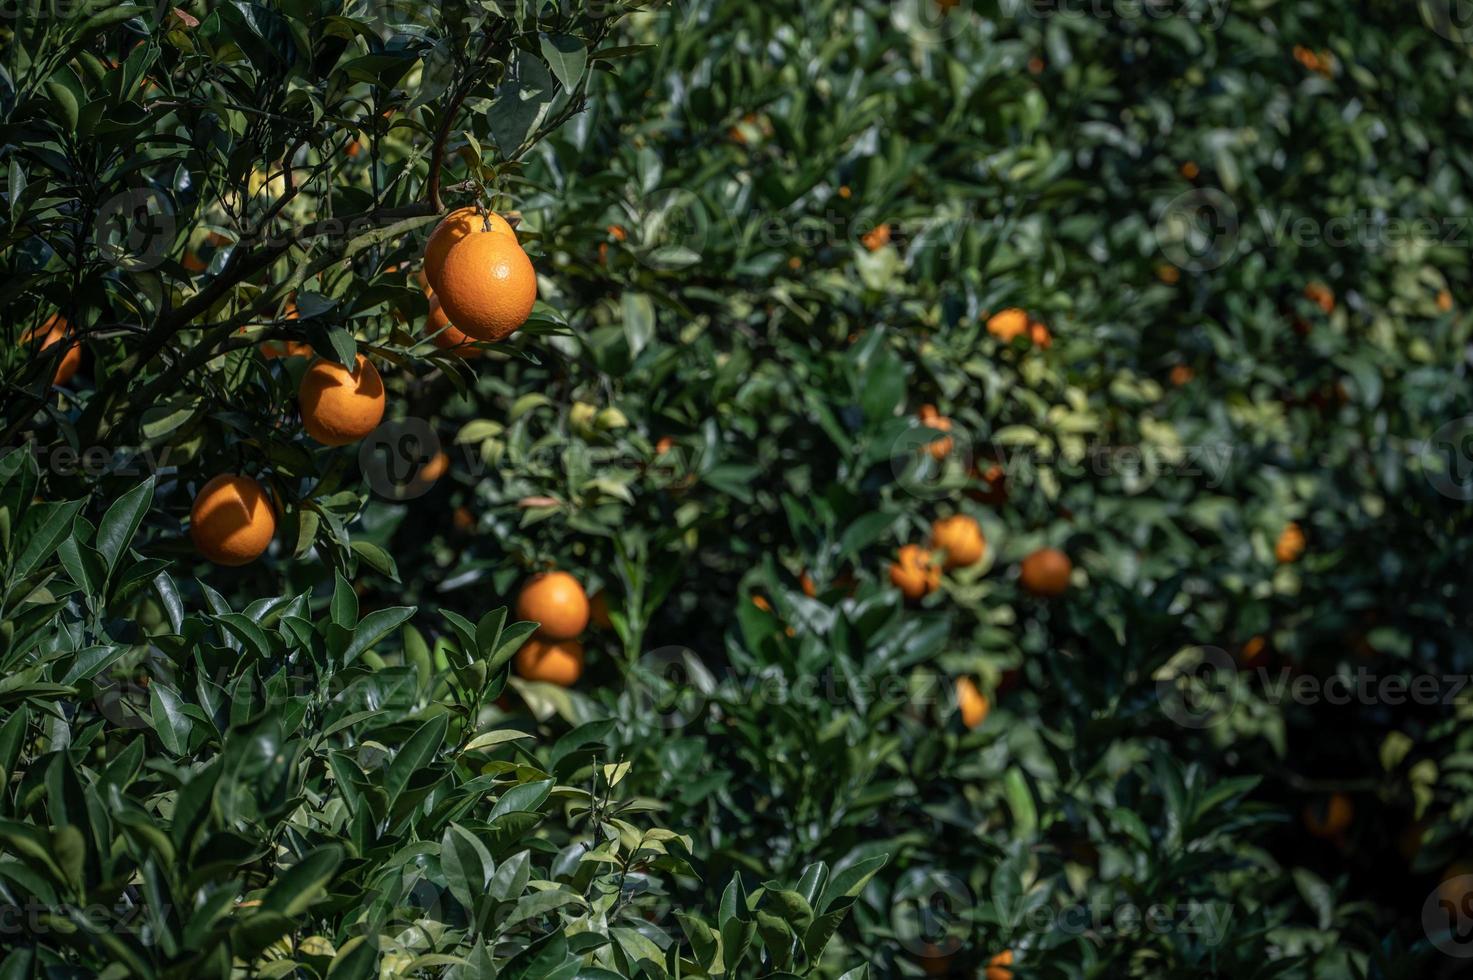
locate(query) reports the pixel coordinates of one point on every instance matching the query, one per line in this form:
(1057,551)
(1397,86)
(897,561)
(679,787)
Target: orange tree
(217,759)
(1156,313)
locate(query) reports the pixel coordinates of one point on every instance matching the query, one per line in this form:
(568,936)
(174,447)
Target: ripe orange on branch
(1329,817)
(557,602)
(598,610)
(444,335)
(457,226)
(913,573)
(54,331)
(960,537)
(1290,544)
(1046,572)
(1008,324)
(933,419)
(554,661)
(231,522)
(487,286)
(339,406)
(1320,295)
(971,702)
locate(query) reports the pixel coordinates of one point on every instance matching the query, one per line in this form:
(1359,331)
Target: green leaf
(41,532)
(521,102)
(344,603)
(467,865)
(522,797)
(419,751)
(539,903)
(512,877)
(488,740)
(511,640)
(303,883)
(566,56)
(121,523)
(639,322)
(374,627)
(166,711)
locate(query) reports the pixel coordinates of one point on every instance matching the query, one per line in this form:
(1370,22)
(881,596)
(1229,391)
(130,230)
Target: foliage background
(696,194)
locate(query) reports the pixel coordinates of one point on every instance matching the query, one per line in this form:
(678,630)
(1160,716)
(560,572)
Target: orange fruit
(1290,544)
(934,963)
(1190,170)
(339,406)
(444,335)
(598,610)
(54,331)
(1168,274)
(231,522)
(1038,333)
(1046,572)
(1008,324)
(487,286)
(287,348)
(1330,817)
(664,445)
(960,537)
(1321,295)
(760,601)
(617,233)
(843,582)
(995,489)
(1254,652)
(557,662)
(463,519)
(1036,65)
(913,573)
(997,967)
(1445,301)
(1181,375)
(435,468)
(557,602)
(931,419)
(971,702)
(876,238)
(1450,889)
(456,226)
